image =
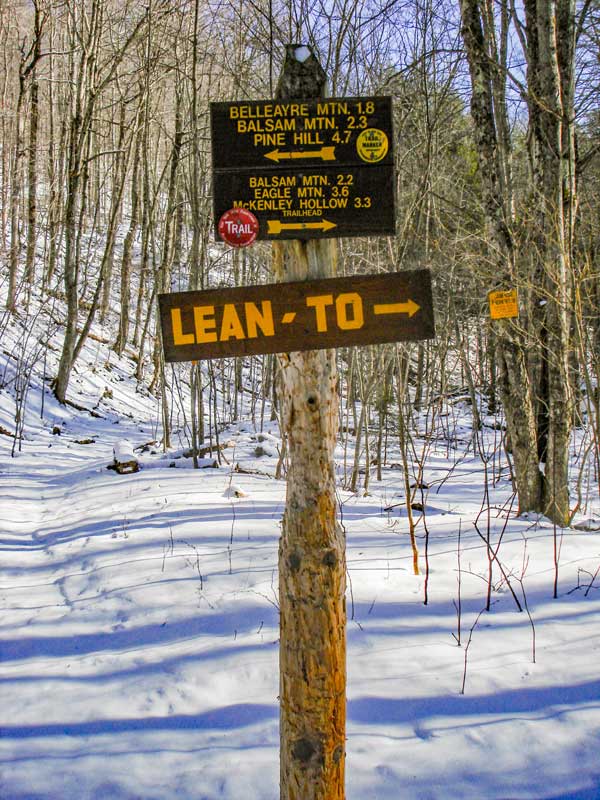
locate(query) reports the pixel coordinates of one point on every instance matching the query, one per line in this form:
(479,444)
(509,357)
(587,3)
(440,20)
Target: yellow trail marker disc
(372,145)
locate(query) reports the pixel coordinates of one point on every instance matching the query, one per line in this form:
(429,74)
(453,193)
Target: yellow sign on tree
(504,304)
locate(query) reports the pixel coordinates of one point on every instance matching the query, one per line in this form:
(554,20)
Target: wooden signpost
(299,170)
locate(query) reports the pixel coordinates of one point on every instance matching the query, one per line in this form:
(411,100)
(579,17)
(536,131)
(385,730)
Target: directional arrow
(409,307)
(275,227)
(325,153)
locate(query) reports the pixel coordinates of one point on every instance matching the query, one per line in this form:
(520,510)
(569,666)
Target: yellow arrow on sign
(410,308)
(325,153)
(275,227)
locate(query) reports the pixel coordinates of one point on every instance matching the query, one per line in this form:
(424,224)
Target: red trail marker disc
(238,227)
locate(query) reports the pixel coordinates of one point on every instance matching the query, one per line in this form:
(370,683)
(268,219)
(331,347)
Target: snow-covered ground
(138,652)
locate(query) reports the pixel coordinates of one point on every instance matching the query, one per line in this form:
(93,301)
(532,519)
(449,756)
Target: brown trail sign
(304,315)
(314,168)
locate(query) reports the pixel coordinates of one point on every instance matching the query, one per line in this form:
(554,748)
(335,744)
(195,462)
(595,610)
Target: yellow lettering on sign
(316,180)
(273,180)
(319,123)
(309,191)
(262,319)
(345,302)
(298,110)
(282,192)
(332,107)
(269,111)
(262,126)
(179,337)
(230,324)
(204,322)
(269,139)
(319,302)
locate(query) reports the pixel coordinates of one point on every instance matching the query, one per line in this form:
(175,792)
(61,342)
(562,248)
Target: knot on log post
(295,560)
(304,750)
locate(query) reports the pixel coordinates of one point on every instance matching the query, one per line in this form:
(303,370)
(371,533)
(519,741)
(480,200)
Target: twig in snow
(458,604)
(587,591)
(468,644)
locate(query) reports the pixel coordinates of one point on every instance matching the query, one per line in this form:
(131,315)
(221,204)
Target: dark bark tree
(30,55)
(536,392)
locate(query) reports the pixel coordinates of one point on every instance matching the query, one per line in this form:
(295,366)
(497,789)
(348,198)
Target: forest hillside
(143,502)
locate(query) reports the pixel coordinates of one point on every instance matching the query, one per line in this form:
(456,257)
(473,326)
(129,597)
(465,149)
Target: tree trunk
(78,139)
(119,172)
(15,201)
(514,382)
(32,182)
(550,72)
(126,260)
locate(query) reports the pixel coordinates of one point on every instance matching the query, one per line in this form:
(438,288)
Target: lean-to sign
(304,315)
(306,169)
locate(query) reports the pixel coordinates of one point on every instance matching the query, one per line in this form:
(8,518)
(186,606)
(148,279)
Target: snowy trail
(138,653)
(121,631)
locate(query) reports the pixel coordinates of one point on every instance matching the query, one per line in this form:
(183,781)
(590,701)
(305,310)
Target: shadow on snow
(240,715)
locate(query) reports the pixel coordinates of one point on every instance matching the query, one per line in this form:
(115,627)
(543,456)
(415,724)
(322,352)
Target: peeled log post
(312,568)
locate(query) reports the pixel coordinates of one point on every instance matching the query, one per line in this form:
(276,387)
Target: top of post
(302,76)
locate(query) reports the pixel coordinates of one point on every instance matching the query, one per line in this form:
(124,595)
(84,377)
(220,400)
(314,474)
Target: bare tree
(90,75)
(30,53)
(536,392)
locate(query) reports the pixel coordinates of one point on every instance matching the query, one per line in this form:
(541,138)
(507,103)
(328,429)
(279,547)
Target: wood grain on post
(312,568)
